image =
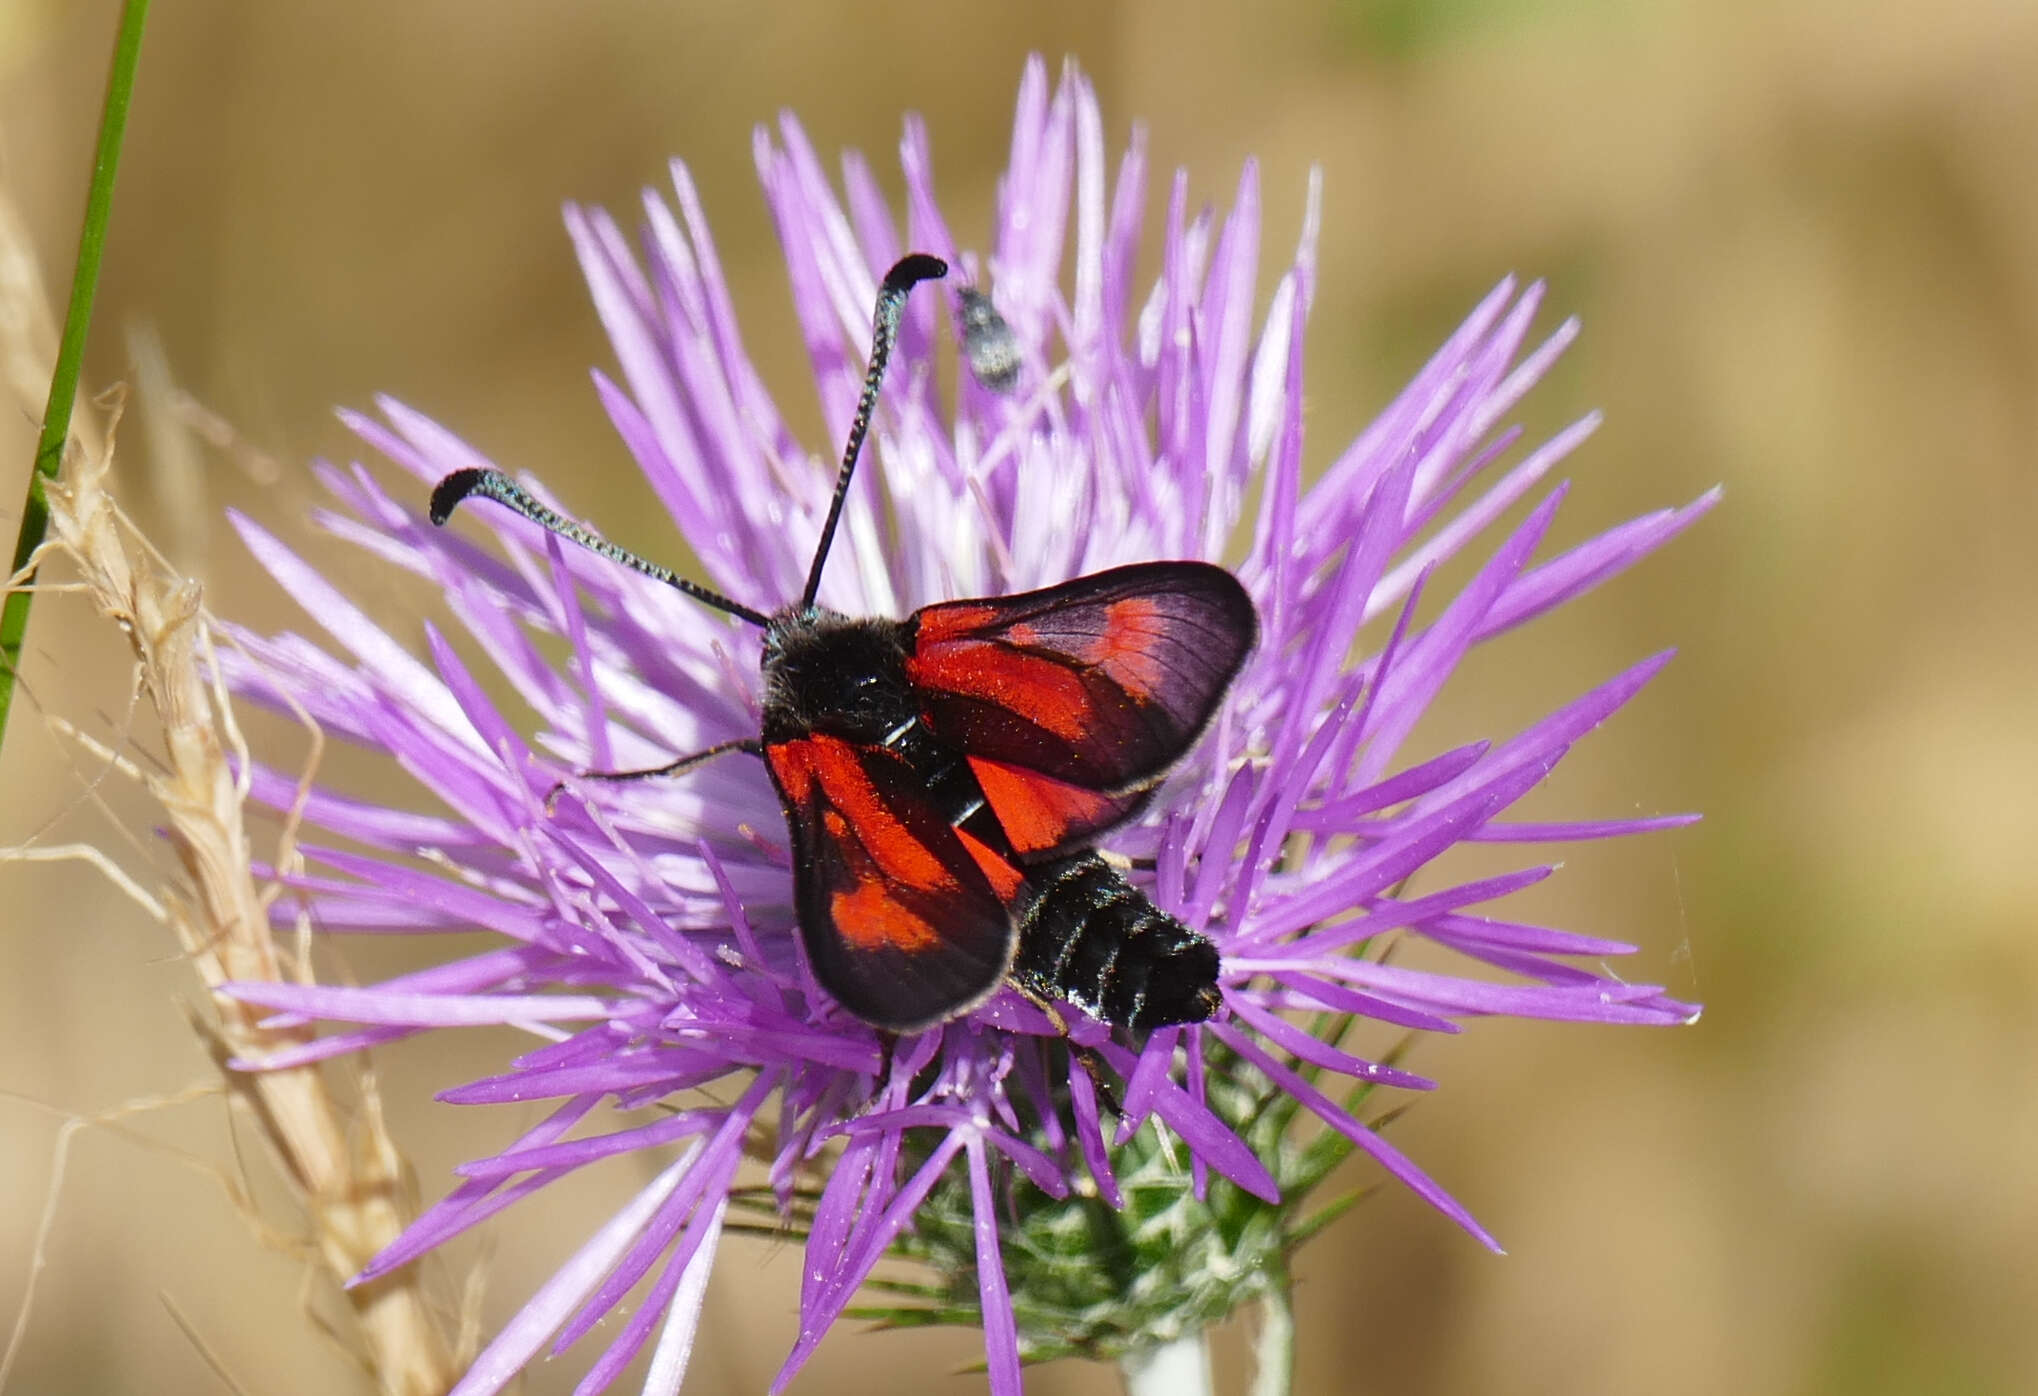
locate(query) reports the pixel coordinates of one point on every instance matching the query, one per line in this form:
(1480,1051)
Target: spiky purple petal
(652,947)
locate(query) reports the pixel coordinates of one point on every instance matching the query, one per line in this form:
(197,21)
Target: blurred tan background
(1803,238)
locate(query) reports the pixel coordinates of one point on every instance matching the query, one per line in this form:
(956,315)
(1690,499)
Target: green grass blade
(56,417)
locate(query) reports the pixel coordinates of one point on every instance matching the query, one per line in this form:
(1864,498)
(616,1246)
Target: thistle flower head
(1035,427)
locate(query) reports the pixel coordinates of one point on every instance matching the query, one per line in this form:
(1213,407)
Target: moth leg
(887,1048)
(1093,1066)
(670,768)
(1088,1058)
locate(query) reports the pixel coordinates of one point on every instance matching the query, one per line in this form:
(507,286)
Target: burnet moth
(945,776)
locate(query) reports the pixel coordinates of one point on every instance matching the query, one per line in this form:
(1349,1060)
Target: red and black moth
(945,776)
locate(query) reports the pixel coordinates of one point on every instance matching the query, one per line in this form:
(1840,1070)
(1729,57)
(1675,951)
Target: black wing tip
(1222,585)
(1232,602)
(1242,609)
(892,997)
(884,1018)
(1238,617)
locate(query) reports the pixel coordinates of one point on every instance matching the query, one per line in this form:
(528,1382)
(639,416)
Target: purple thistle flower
(647,929)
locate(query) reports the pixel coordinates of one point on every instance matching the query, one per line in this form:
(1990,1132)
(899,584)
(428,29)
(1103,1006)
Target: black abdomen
(1088,937)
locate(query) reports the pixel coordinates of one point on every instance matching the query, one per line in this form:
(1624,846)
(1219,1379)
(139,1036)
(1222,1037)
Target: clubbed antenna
(908,272)
(493,484)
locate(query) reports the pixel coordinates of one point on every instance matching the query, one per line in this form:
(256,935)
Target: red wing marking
(1050,695)
(1102,682)
(904,921)
(1039,812)
(835,766)
(869,917)
(1128,648)
(1005,879)
(956,618)
(792,766)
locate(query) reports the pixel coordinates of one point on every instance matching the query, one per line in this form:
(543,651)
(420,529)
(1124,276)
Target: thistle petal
(647,932)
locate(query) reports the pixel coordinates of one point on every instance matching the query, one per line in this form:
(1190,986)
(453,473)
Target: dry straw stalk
(334,1149)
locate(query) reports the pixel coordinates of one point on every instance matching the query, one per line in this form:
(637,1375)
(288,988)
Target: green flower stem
(56,417)
(1274,1346)
(1179,1368)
